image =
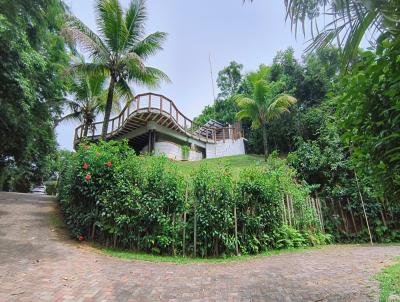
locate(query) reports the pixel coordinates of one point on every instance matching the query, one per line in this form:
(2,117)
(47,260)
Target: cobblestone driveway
(37,265)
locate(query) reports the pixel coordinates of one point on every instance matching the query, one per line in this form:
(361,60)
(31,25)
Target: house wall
(173,151)
(228,148)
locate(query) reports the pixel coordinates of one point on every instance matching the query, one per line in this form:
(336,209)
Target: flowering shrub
(109,194)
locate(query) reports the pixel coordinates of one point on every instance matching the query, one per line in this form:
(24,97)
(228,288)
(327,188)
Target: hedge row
(110,195)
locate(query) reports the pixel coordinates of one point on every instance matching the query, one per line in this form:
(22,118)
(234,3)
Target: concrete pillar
(152,141)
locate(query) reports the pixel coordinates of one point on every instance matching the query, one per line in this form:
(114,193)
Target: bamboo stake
(295,221)
(312,207)
(321,215)
(236,232)
(288,208)
(184,234)
(284,210)
(292,218)
(173,242)
(184,222)
(363,206)
(195,230)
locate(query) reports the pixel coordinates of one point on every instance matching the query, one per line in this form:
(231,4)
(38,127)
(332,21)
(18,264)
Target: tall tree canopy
(229,80)
(32,59)
(120,49)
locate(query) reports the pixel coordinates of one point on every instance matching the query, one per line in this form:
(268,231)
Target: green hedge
(51,187)
(110,195)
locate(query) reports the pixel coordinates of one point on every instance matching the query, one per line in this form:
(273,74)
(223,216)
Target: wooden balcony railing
(158,104)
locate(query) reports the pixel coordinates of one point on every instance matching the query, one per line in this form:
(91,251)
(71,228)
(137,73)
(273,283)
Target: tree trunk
(265,139)
(107,112)
(86,129)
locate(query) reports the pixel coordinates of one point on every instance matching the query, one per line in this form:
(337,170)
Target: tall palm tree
(264,104)
(89,99)
(120,49)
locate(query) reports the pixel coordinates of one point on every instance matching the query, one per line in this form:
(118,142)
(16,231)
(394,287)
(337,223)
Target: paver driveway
(37,265)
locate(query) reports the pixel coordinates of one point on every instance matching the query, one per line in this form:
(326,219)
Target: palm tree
(119,50)
(264,104)
(89,99)
(350,21)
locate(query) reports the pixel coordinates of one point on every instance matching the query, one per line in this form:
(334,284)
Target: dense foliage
(113,196)
(33,57)
(342,124)
(369,107)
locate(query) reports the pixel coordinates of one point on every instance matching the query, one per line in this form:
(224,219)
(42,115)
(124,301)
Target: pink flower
(109,164)
(85,166)
(88,177)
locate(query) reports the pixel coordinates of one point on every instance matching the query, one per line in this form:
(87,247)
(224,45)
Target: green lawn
(389,282)
(237,163)
(131,255)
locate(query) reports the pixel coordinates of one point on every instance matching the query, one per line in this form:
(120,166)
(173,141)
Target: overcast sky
(250,34)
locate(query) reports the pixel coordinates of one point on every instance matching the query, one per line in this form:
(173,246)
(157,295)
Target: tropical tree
(33,59)
(89,99)
(229,80)
(265,103)
(120,49)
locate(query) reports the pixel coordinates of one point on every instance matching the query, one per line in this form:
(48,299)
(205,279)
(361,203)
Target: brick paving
(39,264)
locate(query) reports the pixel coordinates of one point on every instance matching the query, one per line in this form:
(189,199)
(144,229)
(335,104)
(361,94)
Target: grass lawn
(130,255)
(389,282)
(236,163)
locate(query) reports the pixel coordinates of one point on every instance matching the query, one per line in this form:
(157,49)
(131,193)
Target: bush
(110,195)
(260,208)
(51,187)
(214,205)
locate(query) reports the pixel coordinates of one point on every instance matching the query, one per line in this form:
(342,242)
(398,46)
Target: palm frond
(110,20)
(135,18)
(150,44)
(76,32)
(123,91)
(69,117)
(248,109)
(131,59)
(355,37)
(88,68)
(148,76)
(279,105)
(260,91)
(350,21)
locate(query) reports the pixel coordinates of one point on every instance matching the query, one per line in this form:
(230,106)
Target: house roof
(213,124)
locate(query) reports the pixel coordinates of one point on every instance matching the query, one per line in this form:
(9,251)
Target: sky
(226,30)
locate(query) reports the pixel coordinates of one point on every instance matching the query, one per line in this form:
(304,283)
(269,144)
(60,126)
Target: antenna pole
(212,81)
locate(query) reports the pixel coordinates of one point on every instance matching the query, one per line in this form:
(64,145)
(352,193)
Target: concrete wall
(173,151)
(228,148)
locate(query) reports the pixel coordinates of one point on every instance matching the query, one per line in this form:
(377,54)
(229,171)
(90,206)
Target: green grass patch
(56,221)
(236,163)
(130,255)
(389,281)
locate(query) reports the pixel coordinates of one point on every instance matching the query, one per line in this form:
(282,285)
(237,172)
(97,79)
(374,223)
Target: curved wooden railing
(159,104)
